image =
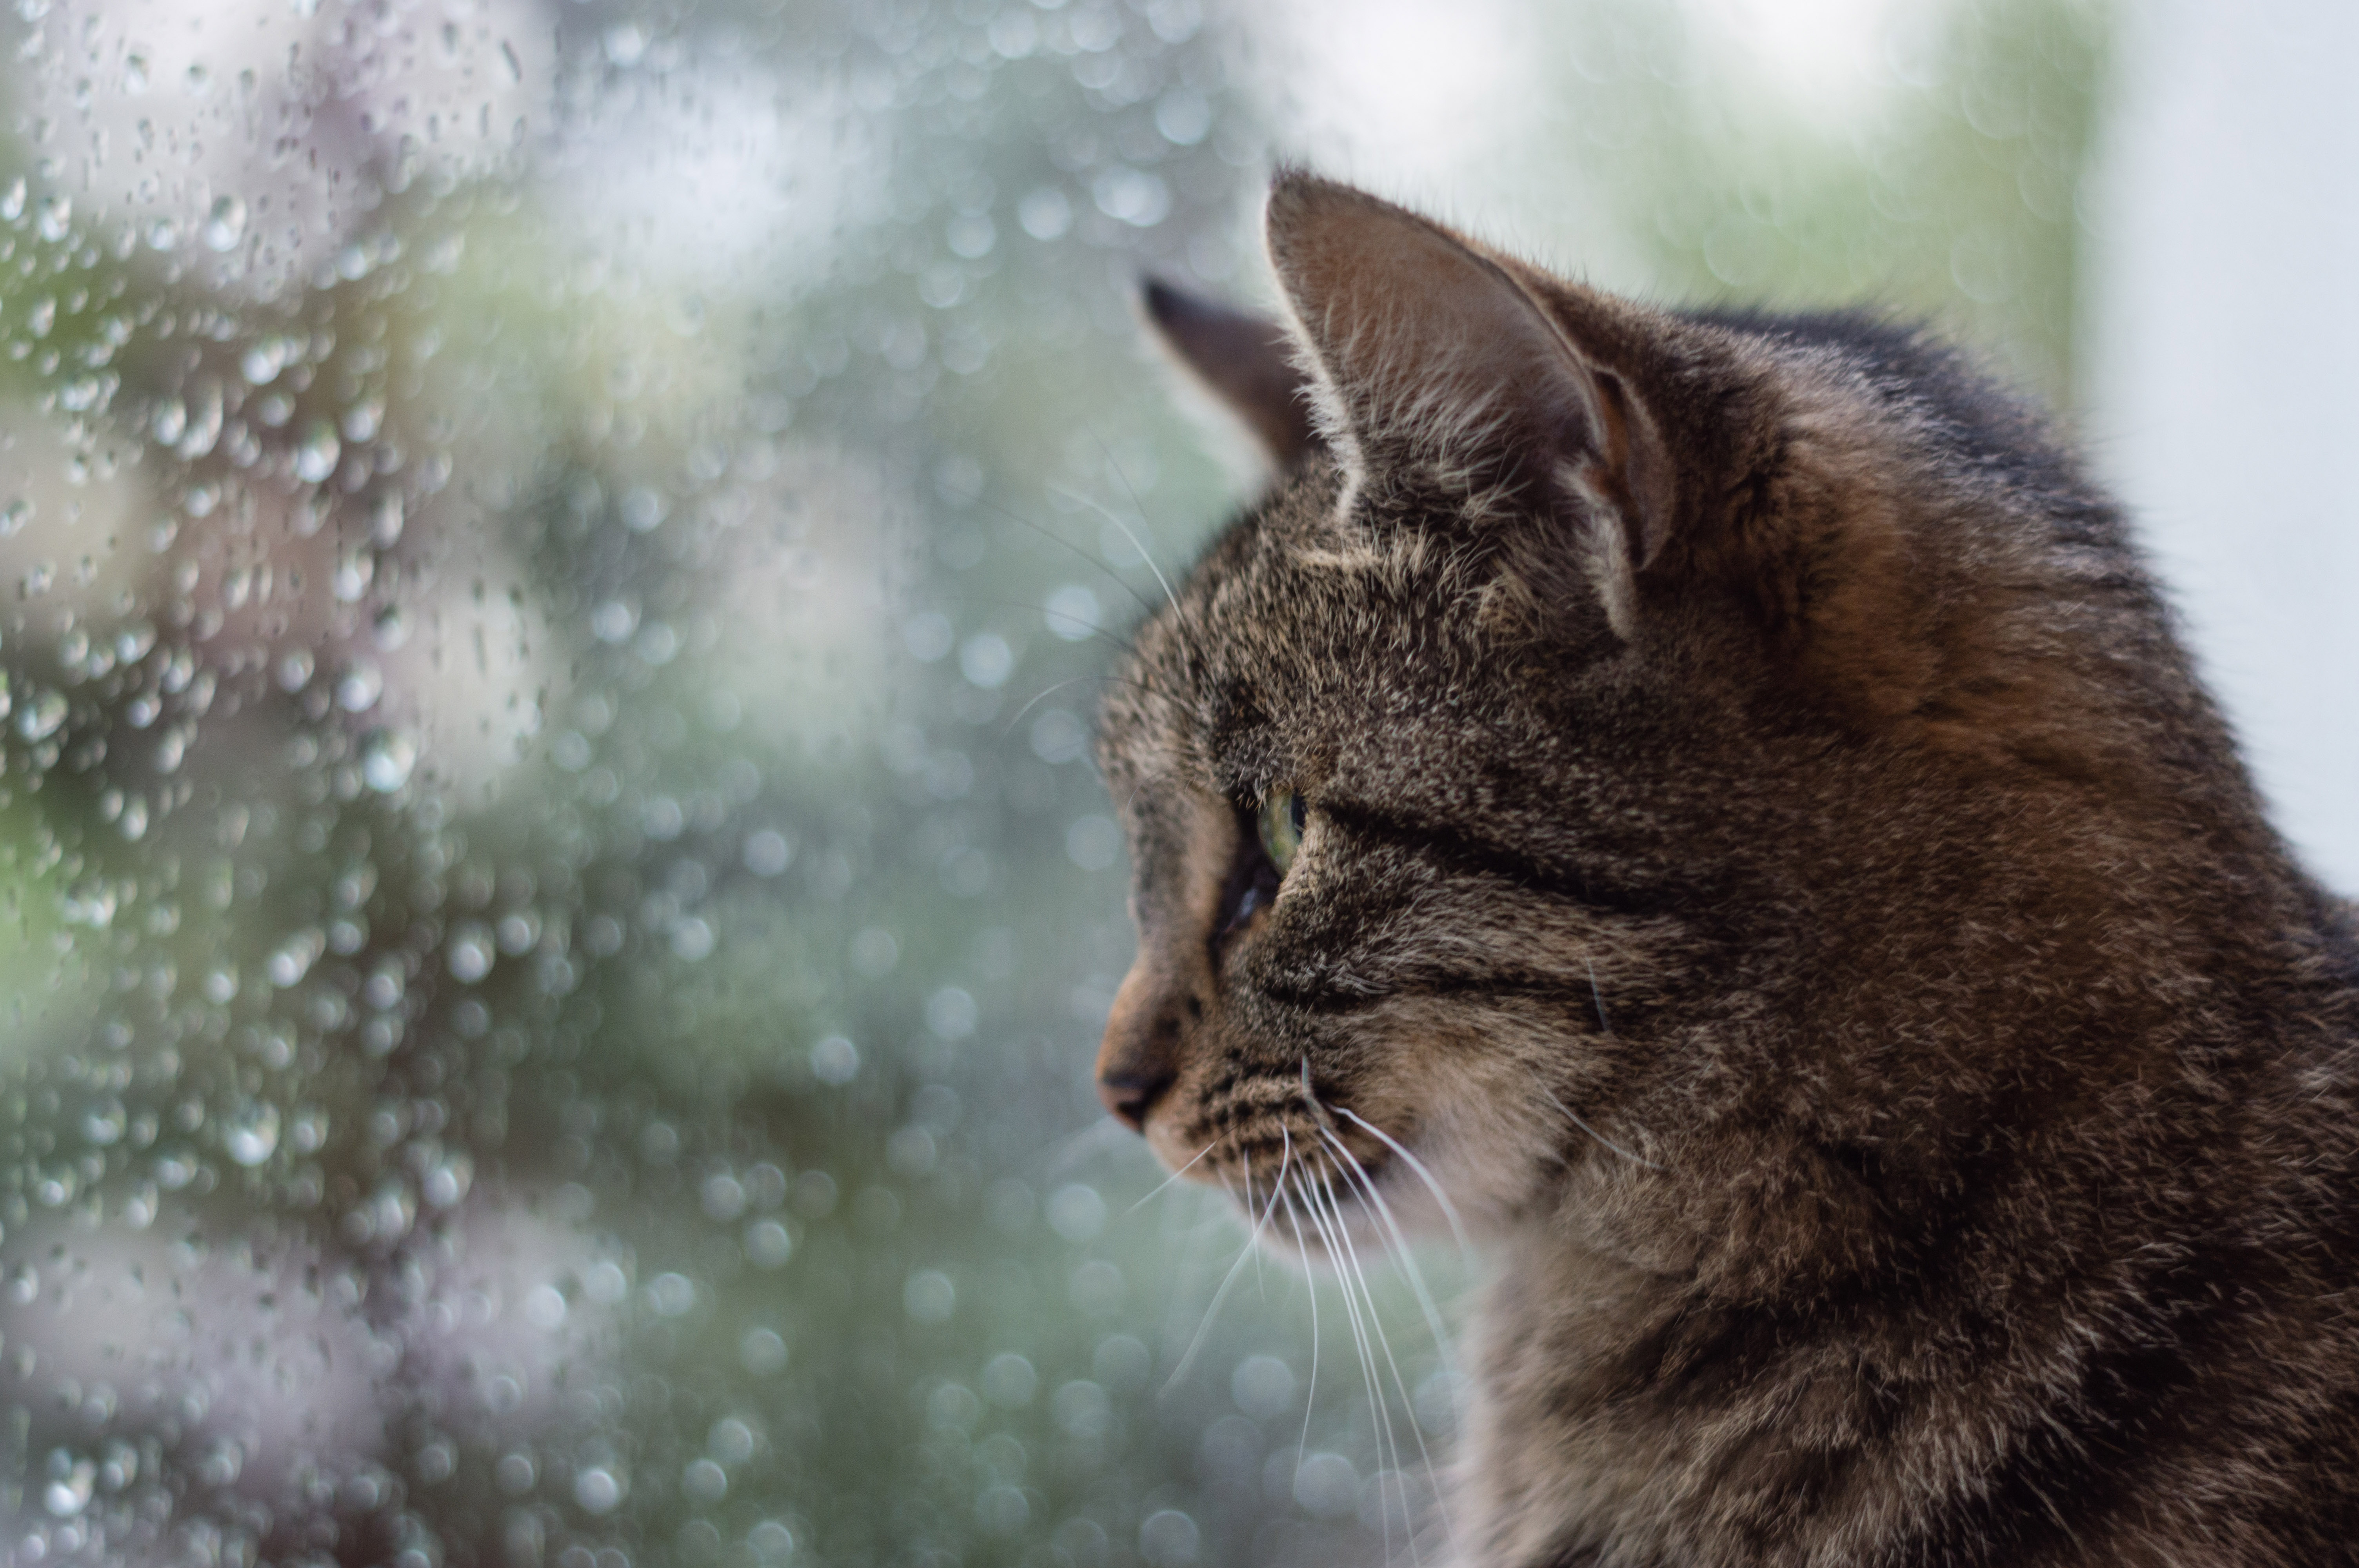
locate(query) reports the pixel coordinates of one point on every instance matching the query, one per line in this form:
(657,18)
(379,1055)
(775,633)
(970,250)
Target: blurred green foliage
(555,909)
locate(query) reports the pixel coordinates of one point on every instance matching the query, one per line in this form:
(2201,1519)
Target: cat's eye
(1282,818)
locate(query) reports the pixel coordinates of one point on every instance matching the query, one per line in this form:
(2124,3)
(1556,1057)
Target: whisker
(1596,996)
(1310,1393)
(1253,1245)
(1059,1154)
(1448,1209)
(1639,1159)
(1047,532)
(1164,1186)
(1345,1257)
(1253,1199)
(1073,680)
(1382,1211)
(1408,1402)
(1135,543)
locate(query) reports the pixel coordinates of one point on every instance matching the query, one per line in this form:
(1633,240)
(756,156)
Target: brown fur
(1755,739)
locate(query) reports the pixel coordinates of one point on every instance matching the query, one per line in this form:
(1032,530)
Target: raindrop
(359,686)
(836,1060)
(355,569)
(226,224)
(768,1244)
(762,1352)
(767,852)
(56,218)
(471,952)
(12,200)
(386,518)
(929,1296)
(15,515)
(1076,1212)
(598,1489)
(250,1134)
(69,1486)
(294,958)
(102,1123)
(41,715)
(986,660)
(704,1481)
(1073,612)
(315,459)
(1045,214)
(386,758)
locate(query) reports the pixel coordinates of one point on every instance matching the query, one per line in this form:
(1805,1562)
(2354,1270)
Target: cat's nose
(1128,1096)
(1136,1063)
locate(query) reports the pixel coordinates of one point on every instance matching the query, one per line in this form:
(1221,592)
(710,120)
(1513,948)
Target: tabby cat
(1713,802)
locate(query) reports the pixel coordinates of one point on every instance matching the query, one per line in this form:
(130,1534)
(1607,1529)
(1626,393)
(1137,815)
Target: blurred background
(555,558)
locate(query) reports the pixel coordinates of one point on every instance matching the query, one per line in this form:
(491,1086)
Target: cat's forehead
(1306,627)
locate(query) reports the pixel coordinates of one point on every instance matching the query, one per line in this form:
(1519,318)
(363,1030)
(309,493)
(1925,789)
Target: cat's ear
(1247,361)
(1432,353)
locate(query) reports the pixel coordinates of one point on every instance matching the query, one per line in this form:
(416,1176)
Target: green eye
(1282,817)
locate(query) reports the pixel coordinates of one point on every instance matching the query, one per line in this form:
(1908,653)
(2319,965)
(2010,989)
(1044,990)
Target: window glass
(555,563)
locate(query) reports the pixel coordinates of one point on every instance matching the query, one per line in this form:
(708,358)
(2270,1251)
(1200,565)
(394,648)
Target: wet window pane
(555,560)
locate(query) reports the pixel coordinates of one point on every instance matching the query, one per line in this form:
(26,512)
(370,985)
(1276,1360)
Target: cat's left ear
(1247,361)
(1436,356)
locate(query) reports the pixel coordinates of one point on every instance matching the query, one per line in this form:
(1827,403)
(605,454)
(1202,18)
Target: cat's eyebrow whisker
(1042,696)
(1139,507)
(1608,1143)
(1135,543)
(1045,531)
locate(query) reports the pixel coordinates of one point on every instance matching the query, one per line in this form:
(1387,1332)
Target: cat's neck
(1887,1267)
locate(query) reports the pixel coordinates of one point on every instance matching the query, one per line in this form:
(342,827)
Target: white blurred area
(2221,327)
(2218,317)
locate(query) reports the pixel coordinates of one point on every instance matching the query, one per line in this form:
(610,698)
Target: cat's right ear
(1247,361)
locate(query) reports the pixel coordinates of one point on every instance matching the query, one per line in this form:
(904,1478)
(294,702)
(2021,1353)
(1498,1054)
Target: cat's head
(1602,699)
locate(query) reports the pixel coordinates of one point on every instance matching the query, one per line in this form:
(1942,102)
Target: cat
(1713,804)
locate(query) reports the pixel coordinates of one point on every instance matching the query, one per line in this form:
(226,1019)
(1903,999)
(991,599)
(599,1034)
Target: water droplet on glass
(597,1490)
(102,1123)
(315,460)
(359,686)
(12,201)
(163,234)
(56,220)
(41,715)
(386,518)
(15,515)
(69,1493)
(471,952)
(226,224)
(294,958)
(250,1132)
(386,758)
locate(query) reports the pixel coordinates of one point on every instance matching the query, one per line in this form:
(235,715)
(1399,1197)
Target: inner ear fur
(1433,353)
(1247,361)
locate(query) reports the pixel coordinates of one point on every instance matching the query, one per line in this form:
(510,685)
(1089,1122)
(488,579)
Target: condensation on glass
(555,558)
